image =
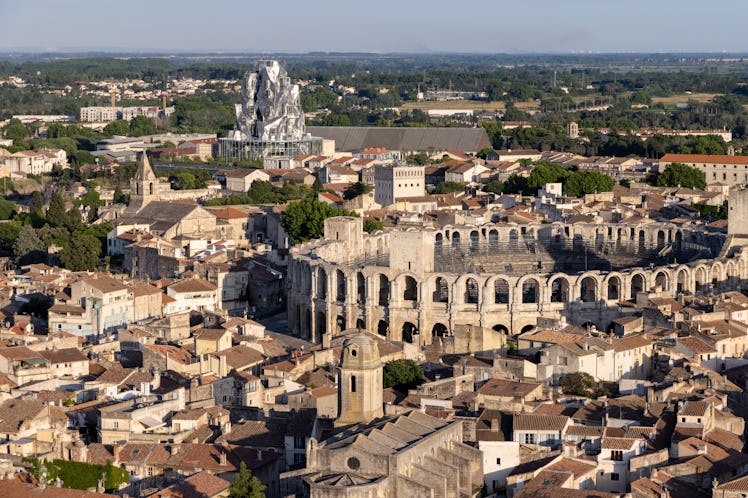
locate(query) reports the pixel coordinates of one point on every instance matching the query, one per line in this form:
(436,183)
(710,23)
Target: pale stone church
(412,454)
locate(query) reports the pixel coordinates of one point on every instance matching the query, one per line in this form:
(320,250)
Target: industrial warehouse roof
(352,138)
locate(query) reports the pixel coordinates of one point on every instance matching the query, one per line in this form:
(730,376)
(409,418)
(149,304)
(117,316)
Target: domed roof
(360,352)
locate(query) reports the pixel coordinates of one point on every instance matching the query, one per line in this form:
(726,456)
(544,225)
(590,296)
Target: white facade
(499,459)
(392,183)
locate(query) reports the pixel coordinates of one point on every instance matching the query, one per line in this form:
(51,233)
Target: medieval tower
(360,384)
(144,186)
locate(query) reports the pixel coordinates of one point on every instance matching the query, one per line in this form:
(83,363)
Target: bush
(402,375)
(82,476)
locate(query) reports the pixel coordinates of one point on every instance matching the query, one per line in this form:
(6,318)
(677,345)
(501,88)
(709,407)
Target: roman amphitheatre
(496,280)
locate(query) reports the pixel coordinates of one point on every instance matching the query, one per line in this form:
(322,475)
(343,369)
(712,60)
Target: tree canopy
(246,485)
(305,220)
(402,375)
(680,175)
(580,183)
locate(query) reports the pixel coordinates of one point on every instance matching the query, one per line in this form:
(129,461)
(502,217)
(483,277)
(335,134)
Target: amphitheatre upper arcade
(415,284)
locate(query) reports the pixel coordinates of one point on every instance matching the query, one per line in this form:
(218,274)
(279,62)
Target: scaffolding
(237,150)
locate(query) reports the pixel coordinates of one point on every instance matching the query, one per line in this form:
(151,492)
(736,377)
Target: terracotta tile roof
(63,355)
(618,443)
(200,485)
(694,409)
(256,434)
(241,357)
(704,158)
(532,422)
(193,285)
(507,388)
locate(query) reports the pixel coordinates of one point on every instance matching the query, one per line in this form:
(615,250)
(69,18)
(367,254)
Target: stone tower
(360,381)
(144,186)
(737,212)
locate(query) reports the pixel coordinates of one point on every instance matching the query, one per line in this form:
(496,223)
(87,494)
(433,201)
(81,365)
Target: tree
(579,383)
(449,187)
(371,225)
(16,130)
(118,127)
(119,196)
(7,209)
(246,485)
(580,183)
(356,189)
(56,211)
(142,125)
(484,152)
(317,186)
(546,172)
(680,175)
(81,252)
(37,202)
(494,186)
(305,220)
(29,247)
(402,374)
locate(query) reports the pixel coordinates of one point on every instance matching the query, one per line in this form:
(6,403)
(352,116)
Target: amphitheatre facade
(417,284)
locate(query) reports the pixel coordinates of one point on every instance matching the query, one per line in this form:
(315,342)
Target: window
(498,461)
(614,476)
(353,383)
(299,442)
(299,458)
(616,455)
(115,424)
(529,438)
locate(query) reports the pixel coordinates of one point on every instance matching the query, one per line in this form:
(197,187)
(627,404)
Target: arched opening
(530,291)
(678,240)
(384,290)
(614,289)
(456,240)
(150,188)
(321,324)
(502,329)
(642,245)
(526,329)
(637,285)
(661,280)
(559,291)
(493,239)
(439,330)
(513,237)
(340,280)
(474,241)
(340,323)
(411,289)
(308,324)
(360,288)
(361,324)
(588,290)
(682,281)
(441,290)
(382,328)
(589,326)
(660,239)
(701,279)
(321,283)
(409,332)
(501,291)
(471,291)
(438,243)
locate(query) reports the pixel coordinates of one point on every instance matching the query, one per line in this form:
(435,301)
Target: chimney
(702,449)
(222,458)
(115,452)
(494,424)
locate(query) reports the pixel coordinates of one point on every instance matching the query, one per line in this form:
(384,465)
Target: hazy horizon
(388,27)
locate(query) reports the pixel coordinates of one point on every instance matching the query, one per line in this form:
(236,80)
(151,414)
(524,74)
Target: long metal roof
(352,138)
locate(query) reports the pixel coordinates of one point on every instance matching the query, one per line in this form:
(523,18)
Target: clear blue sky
(494,26)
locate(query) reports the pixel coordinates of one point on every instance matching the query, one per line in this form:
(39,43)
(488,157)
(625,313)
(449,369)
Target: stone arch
(493,238)
(642,244)
(501,328)
(716,273)
(340,282)
(588,290)
(530,291)
(701,278)
(361,324)
(559,288)
(438,243)
(408,332)
(638,284)
(661,240)
(321,283)
(360,288)
(661,280)
(441,290)
(384,290)
(501,291)
(339,323)
(474,241)
(456,240)
(439,330)
(589,325)
(526,328)
(682,280)
(410,291)
(383,328)
(614,288)
(472,291)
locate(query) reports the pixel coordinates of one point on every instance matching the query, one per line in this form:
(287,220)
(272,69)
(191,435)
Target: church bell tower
(144,186)
(360,381)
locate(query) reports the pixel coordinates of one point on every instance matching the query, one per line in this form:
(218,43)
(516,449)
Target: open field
(684,97)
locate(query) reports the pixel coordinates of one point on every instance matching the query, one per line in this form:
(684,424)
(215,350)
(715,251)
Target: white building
(392,183)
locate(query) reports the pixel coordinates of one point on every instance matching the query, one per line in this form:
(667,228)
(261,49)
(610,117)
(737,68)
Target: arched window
(530,292)
(471,291)
(441,290)
(614,289)
(559,290)
(340,278)
(588,290)
(384,290)
(321,283)
(501,291)
(411,289)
